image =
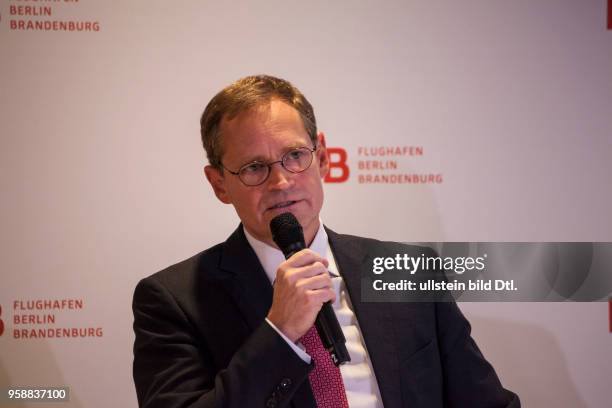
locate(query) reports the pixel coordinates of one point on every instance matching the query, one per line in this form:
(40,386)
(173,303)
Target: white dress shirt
(358,376)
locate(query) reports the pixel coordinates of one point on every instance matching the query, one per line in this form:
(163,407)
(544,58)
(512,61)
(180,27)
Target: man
(232,326)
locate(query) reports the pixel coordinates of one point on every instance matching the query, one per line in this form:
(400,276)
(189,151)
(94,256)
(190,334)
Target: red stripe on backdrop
(609,14)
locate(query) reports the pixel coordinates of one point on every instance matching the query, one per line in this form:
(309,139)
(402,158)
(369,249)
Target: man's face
(265,134)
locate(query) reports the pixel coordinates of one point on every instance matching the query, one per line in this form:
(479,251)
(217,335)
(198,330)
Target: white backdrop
(101,160)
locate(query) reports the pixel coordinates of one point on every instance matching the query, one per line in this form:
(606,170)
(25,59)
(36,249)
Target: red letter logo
(338,170)
(1,323)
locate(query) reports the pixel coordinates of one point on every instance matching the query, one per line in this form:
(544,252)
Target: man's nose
(280,178)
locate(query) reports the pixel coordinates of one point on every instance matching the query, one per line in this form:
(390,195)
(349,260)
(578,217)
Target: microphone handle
(331,334)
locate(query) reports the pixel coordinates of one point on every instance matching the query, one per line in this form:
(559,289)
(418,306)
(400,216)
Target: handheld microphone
(287,233)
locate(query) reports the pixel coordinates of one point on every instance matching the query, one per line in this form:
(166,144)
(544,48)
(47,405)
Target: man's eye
(252,168)
(295,154)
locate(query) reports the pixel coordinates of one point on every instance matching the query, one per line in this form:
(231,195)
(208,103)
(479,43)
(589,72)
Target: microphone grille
(286,230)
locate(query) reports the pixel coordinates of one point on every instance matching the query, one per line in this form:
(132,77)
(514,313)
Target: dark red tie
(325,379)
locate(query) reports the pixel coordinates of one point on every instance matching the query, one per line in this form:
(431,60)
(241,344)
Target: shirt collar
(271,257)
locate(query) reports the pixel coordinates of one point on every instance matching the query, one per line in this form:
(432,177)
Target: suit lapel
(375,320)
(246,280)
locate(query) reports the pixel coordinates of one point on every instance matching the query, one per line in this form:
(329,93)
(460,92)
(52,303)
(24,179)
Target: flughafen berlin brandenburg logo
(381,164)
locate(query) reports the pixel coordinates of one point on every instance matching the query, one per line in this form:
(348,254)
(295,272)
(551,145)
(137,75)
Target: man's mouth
(284,204)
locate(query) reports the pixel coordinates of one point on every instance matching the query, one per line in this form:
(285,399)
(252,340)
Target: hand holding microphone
(303,290)
(301,287)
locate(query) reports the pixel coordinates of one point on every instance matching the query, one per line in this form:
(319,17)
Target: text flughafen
(38,318)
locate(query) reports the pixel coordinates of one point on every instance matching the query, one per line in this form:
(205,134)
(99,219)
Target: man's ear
(217,182)
(322,155)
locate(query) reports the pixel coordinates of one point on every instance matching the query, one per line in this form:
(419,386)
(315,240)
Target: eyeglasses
(256,172)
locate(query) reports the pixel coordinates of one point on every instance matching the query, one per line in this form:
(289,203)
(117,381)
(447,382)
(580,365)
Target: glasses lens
(253,174)
(297,160)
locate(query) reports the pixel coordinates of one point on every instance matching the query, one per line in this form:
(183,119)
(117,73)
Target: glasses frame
(269,165)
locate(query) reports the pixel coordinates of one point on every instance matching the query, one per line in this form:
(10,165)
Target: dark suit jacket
(202,341)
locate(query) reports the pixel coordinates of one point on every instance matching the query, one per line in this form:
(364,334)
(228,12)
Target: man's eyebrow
(259,159)
(264,159)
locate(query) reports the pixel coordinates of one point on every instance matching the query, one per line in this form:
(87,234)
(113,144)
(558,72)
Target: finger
(315,282)
(322,295)
(308,271)
(306,257)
